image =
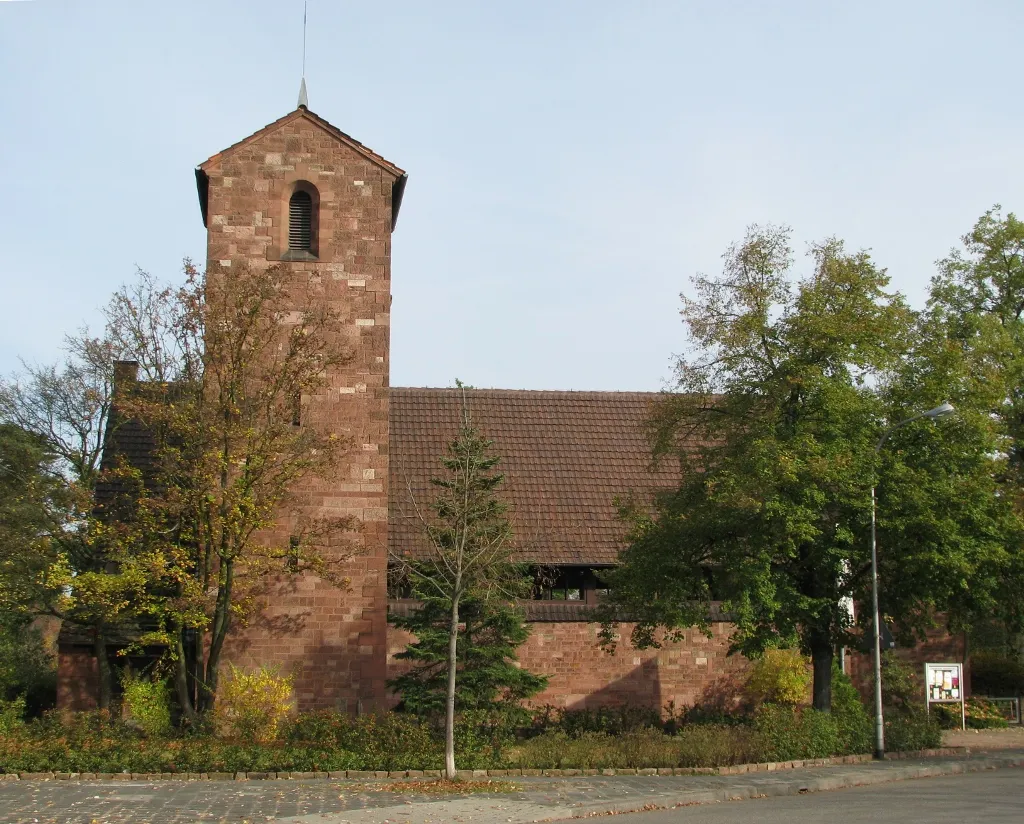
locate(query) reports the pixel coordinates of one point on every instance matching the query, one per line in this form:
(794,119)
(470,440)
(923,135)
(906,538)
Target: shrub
(704,715)
(854,727)
(323,727)
(253,706)
(393,742)
(779,676)
(979,714)
(115,750)
(907,724)
(147,703)
(79,729)
(721,701)
(982,715)
(390,741)
(698,746)
(12,715)
(483,736)
(787,733)
(716,746)
(902,687)
(611,720)
(911,730)
(996,676)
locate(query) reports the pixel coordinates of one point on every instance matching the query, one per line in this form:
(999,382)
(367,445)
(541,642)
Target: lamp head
(940,411)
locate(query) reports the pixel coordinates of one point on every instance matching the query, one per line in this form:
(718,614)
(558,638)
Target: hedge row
(330,742)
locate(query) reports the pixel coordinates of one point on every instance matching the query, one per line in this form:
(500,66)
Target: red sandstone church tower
(303,195)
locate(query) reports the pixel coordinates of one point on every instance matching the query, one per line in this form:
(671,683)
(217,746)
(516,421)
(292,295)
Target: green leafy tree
(33,514)
(467,551)
(972,345)
(34,503)
(27,667)
(774,423)
(67,406)
(488,676)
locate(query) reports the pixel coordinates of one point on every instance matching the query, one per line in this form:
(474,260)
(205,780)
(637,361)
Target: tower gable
(321,128)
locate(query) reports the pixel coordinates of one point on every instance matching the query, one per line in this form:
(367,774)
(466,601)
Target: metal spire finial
(303,99)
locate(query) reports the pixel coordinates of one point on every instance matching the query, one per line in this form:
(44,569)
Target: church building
(303,195)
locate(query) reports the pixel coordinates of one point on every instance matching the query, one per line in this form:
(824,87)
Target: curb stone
(376,775)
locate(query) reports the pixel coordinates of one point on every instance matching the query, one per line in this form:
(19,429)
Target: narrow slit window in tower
(300,222)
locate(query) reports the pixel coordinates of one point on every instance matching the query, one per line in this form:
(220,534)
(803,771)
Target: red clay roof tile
(566,457)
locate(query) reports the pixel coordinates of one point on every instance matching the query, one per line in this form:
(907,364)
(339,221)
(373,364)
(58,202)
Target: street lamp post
(937,412)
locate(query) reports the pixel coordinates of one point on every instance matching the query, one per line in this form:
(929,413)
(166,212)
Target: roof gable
(397,190)
(303,113)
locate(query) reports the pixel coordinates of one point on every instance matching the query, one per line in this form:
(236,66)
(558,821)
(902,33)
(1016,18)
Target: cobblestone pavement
(1012,738)
(335,802)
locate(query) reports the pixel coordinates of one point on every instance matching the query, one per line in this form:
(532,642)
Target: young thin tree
(467,548)
(488,674)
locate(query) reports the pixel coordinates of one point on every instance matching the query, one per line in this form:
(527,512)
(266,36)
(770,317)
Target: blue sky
(572,164)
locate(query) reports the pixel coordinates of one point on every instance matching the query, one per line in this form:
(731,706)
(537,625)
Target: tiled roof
(128,441)
(566,457)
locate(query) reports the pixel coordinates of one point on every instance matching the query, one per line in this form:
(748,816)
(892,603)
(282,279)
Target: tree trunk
(181,680)
(195,662)
(102,667)
(221,624)
(449,712)
(822,655)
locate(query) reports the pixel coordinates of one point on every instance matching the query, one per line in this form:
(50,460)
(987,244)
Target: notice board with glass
(944,684)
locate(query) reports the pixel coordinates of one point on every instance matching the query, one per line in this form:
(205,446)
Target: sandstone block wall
(939,647)
(331,639)
(583,676)
(77,680)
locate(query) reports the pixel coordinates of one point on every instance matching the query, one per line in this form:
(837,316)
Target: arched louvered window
(300,222)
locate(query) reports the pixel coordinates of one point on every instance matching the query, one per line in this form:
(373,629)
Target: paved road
(537,799)
(991,797)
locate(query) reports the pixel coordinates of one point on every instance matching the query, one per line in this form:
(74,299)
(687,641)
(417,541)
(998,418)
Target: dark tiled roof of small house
(566,457)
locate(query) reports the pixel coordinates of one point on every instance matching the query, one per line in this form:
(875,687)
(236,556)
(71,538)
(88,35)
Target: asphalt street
(995,797)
